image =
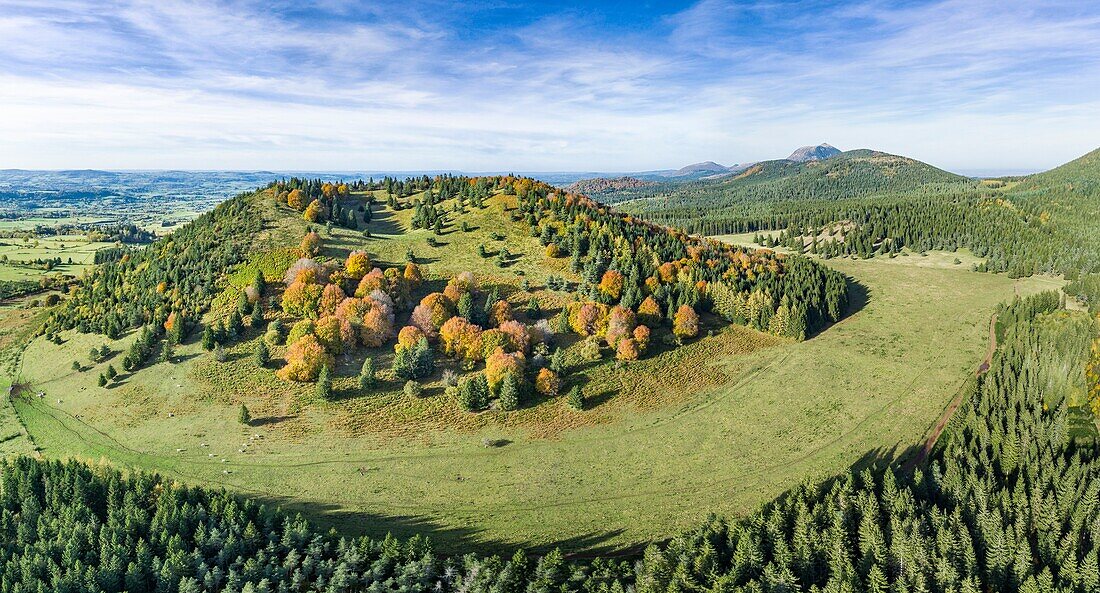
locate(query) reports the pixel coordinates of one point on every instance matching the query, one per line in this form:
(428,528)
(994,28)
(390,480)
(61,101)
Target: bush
(413,389)
(590,349)
(244,417)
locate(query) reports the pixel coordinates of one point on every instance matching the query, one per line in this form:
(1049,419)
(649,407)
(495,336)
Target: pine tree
(208,340)
(324,383)
(509,393)
(366,374)
(166,351)
(244,416)
(262,355)
(576,398)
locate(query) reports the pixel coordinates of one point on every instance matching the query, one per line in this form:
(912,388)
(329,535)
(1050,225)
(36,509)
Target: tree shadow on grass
(270,420)
(383,222)
(446,539)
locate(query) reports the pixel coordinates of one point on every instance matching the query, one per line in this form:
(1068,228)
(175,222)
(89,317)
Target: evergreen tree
(324,383)
(366,375)
(262,354)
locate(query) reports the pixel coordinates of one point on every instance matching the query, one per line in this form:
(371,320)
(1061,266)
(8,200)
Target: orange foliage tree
(611,283)
(331,297)
(311,244)
(304,360)
(686,322)
(627,349)
(500,365)
(547,383)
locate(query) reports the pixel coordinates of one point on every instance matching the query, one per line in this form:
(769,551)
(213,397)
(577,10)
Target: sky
(542,86)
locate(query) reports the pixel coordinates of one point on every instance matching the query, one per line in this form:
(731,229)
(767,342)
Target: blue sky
(542,86)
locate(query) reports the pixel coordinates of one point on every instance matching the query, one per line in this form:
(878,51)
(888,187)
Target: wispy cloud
(425,84)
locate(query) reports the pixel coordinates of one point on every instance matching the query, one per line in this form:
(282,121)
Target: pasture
(721,425)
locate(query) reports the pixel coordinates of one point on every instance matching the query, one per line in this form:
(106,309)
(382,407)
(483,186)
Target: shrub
(304,327)
(244,416)
(413,389)
(590,349)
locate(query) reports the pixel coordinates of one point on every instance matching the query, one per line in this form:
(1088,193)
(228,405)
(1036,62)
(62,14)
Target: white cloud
(206,84)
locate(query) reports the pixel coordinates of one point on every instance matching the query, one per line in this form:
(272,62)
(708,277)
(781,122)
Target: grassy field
(720,425)
(21,254)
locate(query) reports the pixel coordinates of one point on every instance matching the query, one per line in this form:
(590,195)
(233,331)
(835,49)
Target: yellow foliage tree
(304,360)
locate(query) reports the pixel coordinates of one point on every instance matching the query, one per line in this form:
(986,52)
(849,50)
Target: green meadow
(720,425)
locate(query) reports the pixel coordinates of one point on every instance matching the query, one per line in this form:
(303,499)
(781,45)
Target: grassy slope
(718,426)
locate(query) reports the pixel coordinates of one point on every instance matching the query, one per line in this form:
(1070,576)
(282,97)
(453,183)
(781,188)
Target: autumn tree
(315,212)
(461,338)
(304,360)
(331,297)
(500,365)
(311,244)
(611,284)
(547,382)
(627,349)
(649,312)
(686,322)
(357,265)
(620,324)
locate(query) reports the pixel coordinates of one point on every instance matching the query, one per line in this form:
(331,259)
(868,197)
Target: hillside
(1045,223)
(601,185)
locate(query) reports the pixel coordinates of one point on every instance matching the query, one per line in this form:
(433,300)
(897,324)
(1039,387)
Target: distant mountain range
(711,169)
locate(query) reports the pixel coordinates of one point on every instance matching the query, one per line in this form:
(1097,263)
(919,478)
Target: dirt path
(937,430)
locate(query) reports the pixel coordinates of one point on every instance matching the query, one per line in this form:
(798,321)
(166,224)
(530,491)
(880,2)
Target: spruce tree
(366,374)
(509,393)
(324,383)
(208,340)
(244,416)
(262,354)
(576,398)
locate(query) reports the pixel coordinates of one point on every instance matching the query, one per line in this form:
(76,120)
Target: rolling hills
(361,454)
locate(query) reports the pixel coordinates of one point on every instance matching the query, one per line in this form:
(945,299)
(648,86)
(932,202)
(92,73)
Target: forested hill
(854,173)
(1044,223)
